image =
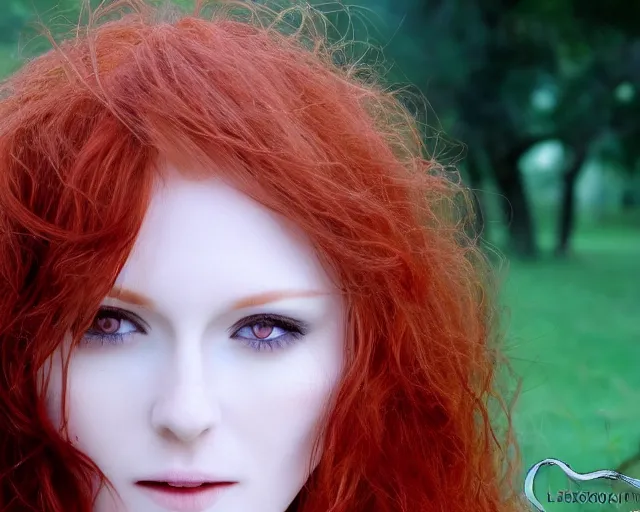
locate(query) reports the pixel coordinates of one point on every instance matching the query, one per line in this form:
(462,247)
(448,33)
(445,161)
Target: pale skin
(195,388)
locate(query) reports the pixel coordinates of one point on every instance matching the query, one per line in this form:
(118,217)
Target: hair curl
(260,98)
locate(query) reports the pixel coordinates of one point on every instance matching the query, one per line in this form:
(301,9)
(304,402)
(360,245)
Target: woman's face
(210,364)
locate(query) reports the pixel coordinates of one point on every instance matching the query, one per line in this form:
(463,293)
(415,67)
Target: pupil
(262,330)
(108,325)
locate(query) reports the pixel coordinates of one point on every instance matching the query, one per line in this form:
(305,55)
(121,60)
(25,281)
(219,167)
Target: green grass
(574,338)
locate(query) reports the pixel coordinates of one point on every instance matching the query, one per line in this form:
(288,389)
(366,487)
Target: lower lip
(185,499)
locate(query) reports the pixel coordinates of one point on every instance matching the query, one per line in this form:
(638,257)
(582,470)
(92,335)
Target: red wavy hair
(82,130)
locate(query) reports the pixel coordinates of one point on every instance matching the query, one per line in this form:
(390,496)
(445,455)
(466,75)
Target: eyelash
(92,336)
(294,330)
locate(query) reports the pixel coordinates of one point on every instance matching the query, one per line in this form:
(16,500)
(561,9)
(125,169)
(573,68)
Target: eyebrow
(265,298)
(131,297)
(125,295)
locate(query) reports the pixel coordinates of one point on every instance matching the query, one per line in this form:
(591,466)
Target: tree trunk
(629,201)
(566,221)
(515,206)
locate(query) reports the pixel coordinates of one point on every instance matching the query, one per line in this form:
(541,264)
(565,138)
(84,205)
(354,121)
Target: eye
(262,331)
(268,332)
(112,326)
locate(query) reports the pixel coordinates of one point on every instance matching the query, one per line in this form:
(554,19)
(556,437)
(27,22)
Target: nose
(185,410)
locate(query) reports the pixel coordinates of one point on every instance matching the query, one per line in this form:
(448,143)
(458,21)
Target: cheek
(94,405)
(106,408)
(302,415)
(278,408)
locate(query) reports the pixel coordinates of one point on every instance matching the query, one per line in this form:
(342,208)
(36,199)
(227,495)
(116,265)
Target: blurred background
(537,102)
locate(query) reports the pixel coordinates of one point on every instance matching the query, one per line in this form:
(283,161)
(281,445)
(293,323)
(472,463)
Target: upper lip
(177,478)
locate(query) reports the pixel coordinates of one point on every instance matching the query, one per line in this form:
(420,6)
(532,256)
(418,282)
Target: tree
(479,64)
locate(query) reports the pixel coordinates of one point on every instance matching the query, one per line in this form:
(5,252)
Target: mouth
(184,496)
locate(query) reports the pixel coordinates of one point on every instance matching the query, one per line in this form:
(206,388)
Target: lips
(171,484)
(179,485)
(184,496)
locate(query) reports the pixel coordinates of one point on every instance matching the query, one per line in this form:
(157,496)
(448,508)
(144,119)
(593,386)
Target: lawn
(574,338)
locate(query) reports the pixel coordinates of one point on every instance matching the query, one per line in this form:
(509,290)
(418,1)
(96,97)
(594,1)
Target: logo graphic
(603,474)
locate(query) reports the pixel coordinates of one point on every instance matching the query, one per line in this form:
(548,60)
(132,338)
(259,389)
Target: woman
(231,283)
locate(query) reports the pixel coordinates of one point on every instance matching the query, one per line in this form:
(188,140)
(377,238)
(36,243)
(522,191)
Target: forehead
(207,234)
